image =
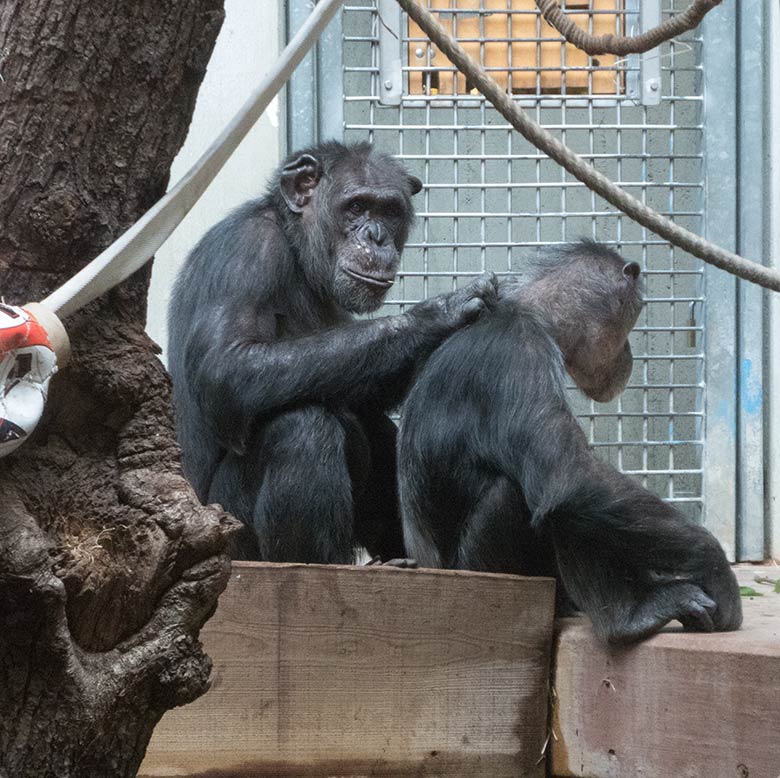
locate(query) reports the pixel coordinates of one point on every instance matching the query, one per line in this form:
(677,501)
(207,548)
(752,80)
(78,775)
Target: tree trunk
(109,566)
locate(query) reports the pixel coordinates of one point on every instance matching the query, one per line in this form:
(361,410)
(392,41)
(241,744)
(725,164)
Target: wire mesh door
(490,198)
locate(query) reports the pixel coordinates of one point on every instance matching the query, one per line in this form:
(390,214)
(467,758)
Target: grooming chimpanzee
(280,396)
(497,475)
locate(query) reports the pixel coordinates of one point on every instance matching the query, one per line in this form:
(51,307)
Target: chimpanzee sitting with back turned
(280,396)
(496,473)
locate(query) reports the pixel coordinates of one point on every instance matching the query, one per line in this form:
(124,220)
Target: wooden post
(691,705)
(368,671)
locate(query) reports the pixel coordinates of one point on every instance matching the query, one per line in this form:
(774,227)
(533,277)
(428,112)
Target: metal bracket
(390,72)
(643,84)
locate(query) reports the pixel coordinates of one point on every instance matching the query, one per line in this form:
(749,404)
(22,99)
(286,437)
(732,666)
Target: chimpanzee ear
(298,180)
(415,184)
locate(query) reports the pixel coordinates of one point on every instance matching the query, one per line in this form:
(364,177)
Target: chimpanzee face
(374,223)
(358,214)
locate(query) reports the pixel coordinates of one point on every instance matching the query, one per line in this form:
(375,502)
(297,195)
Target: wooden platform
(325,672)
(677,706)
(328,672)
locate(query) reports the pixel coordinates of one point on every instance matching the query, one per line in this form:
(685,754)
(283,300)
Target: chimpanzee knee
(304,507)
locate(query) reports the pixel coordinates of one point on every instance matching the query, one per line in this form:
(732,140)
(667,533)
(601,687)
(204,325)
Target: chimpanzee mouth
(383,282)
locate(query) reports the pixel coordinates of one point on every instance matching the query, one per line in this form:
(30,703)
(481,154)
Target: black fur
(497,475)
(280,396)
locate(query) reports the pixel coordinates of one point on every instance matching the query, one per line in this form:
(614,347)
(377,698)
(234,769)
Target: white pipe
(137,246)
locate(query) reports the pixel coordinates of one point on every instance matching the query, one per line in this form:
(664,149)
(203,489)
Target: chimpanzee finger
(489,290)
(473,308)
(697,613)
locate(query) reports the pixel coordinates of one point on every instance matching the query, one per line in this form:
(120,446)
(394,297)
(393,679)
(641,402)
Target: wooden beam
(691,705)
(367,671)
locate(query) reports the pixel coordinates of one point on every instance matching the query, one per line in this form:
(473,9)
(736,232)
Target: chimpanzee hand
(453,310)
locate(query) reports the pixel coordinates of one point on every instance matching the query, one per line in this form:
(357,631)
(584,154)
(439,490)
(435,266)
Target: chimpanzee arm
(240,376)
(623,553)
(633,563)
(230,345)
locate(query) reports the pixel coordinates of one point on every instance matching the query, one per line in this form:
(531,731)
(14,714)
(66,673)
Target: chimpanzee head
(592,298)
(347,210)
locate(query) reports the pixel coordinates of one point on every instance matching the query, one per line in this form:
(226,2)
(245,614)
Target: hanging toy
(33,344)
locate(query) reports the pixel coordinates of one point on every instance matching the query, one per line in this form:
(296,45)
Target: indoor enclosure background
(667,126)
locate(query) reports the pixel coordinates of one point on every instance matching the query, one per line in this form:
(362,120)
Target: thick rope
(628,44)
(581,170)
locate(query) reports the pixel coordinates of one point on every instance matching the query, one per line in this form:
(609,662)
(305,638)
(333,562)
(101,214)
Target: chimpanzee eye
(358,206)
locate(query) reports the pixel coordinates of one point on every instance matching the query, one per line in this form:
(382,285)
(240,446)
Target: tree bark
(109,565)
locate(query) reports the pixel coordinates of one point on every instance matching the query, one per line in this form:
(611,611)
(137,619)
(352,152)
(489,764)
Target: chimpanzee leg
(497,535)
(297,474)
(234,487)
(377,514)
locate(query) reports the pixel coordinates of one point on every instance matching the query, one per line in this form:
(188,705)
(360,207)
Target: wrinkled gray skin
(496,474)
(280,395)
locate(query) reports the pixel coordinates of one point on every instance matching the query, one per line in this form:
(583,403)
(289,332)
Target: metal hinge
(391,82)
(643,84)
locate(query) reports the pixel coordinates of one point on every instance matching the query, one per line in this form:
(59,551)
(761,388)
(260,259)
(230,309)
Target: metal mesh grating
(518,48)
(490,198)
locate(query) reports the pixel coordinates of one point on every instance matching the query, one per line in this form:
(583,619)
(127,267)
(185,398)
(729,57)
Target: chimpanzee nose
(376,233)
(631,270)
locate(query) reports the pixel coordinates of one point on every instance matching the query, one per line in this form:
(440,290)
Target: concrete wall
(247,46)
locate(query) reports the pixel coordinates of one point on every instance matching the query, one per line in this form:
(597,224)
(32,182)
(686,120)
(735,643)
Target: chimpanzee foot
(409,564)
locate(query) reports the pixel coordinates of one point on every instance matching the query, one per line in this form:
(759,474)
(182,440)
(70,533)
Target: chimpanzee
(280,396)
(497,475)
